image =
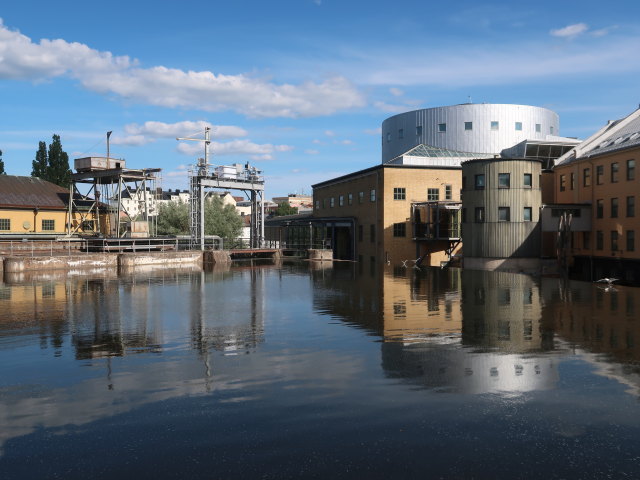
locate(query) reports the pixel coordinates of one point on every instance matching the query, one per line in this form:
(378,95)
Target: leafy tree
(285,209)
(53,165)
(219,219)
(173,219)
(2,172)
(41,163)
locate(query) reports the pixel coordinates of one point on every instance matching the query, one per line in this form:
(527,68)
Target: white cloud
(102,72)
(396,92)
(330,133)
(131,140)
(181,129)
(373,131)
(570,30)
(387,107)
(312,151)
(346,142)
(236,147)
(317,142)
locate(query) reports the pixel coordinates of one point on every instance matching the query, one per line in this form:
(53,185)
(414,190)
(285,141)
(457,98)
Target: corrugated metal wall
(481,139)
(501,239)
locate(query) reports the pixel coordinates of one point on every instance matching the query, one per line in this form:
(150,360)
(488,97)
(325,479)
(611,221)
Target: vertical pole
(261,218)
(119,195)
(201,199)
(70,208)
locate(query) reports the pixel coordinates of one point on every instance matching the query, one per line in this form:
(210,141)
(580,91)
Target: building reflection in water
(488,339)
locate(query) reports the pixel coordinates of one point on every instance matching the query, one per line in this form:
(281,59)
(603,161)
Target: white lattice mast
(196,191)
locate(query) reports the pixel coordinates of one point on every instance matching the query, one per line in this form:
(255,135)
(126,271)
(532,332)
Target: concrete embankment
(128,260)
(93,260)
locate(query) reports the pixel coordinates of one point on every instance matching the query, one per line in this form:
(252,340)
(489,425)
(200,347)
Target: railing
(432,231)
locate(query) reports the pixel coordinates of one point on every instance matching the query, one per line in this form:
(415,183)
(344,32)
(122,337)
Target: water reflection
(310,344)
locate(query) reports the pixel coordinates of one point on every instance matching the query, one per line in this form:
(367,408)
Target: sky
(298,88)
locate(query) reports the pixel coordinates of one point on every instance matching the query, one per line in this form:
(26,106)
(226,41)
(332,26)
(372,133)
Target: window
(442,127)
(527,214)
(504,180)
(360,233)
(372,195)
(631,206)
(372,233)
(399,194)
(464,215)
(464,182)
(563,183)
(88,226)
(586,240)
(448,192)
(527,180)
(350,199)
(614,172)
(614,240)
(341,200)
(479,181)
(433,194)
(317,204)
(468,125)
(360,197)
(599,208)
(518,126)
(401,133)
(538,128)
(599,240)
(599,174)
(399,229)
(388,137)
(586,177)
(614,208)
(551,130)
(495,125)
(631,241)
(48,225)
(419,131)
(504,214)
(479,214)
(631,169)
(573,181)
(5,224)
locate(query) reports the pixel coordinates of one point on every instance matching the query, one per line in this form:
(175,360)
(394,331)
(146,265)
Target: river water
(306,371)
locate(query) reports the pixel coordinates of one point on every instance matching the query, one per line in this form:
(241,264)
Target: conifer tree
(2,172)
(40,164)
(53,165)
(58,171)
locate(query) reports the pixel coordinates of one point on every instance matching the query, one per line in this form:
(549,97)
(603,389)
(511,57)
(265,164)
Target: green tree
(173,219)
(41,163)
(53,165)
(59,171)
(2,172)
(219,219)
(285,209)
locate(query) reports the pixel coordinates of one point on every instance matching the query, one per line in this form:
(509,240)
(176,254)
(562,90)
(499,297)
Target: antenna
(108,135)
(203,163)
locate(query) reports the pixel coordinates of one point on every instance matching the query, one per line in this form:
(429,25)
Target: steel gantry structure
(237,177)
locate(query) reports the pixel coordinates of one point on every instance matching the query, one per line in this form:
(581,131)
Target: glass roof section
(423,150)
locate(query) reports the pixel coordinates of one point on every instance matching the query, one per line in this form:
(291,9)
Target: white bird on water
(607,280)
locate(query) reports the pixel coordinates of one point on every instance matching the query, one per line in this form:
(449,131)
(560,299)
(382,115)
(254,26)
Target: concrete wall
(94,260)
(165,258)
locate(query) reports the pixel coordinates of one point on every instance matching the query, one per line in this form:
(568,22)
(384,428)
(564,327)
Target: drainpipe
(35,215)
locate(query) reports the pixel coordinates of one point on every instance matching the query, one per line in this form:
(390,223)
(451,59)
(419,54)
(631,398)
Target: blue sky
(299,88)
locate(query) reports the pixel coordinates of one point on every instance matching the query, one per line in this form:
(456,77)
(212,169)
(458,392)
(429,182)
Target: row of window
(613,207)
(504,181)
(468,126)
(47,225)
(614,174)
(349,199)
(399,193)
(614,240)
(504,214)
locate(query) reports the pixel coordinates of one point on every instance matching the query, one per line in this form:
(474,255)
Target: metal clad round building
(484,129)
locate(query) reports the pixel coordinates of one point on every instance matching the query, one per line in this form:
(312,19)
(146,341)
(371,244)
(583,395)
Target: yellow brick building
(391,214)
(31,206)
